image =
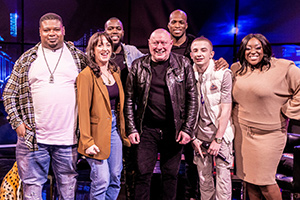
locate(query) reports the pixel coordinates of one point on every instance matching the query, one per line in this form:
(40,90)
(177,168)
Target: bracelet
(194,138)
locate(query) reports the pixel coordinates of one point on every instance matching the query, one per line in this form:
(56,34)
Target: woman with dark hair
(101,120)
(265,93)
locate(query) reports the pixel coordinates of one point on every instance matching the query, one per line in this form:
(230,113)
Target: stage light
(13,24)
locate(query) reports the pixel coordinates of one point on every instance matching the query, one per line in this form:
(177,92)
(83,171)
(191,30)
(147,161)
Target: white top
(214,88)
(55,106)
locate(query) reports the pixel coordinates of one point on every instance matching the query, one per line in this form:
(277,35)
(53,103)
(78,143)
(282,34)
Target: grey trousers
(222,190)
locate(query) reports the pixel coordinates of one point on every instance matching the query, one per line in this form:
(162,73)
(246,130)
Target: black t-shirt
(113,92)
(120,61)
(185,48)
(180,49)
(159,108)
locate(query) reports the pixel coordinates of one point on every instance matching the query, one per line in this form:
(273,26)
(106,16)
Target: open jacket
(95,117)
(181,84)
(17,97)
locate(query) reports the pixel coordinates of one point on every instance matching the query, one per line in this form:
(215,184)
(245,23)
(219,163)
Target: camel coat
(95,117)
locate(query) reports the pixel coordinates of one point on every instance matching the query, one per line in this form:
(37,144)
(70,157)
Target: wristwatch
(218,140)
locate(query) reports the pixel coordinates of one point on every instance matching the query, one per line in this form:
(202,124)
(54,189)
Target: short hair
(113,18)
(180,11)
(90,51)
(267,49)
(50,16)
(202,38)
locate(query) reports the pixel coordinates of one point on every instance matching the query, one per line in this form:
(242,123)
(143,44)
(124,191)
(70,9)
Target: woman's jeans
(106,174)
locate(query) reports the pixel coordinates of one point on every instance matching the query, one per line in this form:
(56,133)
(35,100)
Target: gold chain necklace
(51,79)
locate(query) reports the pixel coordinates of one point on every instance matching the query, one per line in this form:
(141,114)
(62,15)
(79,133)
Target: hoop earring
(113,56)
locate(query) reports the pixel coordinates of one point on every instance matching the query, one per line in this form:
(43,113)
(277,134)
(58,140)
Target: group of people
(114,104)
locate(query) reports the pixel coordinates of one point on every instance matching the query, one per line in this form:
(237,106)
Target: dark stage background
(224,22)
(278,20)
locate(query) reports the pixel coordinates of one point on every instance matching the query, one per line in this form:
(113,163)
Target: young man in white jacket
(214,126)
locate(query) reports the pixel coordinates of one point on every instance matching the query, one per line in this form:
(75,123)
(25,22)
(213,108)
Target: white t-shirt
(55,106)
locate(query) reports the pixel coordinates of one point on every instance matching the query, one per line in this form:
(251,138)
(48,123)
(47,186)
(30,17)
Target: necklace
(109,81)
(51,79)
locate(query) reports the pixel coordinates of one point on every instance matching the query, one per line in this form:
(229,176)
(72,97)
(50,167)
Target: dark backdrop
(279,20)
(225,22)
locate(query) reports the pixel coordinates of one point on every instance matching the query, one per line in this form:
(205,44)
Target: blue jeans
(106,174)
(33,169)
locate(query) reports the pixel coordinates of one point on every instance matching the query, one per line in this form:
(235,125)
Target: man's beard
(53,46)
(178,37)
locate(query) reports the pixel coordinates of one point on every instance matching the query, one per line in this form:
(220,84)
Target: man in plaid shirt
(40,99)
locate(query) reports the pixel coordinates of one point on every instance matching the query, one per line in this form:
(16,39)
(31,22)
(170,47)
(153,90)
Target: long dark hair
(90,51)
(267,49)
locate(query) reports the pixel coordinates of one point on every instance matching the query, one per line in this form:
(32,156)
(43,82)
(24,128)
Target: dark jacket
(182,88)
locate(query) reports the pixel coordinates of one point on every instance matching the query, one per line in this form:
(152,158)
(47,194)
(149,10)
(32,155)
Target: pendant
(51,80)
(109,82)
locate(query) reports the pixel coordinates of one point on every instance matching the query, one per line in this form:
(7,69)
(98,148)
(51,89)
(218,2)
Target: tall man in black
(181,39)
(160,110)
(182,45)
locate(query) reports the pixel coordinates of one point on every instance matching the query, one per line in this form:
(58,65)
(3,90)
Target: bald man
(181,40)
(182,45)
(160,112)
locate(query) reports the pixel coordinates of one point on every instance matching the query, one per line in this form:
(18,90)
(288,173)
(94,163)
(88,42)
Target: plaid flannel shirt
(17,97)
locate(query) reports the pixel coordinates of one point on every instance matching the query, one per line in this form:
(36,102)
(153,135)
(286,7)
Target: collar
(210,68)
(124,48)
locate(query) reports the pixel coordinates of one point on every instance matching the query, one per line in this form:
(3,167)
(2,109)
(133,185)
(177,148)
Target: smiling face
(52,34)
(160,45)
(254,52)
(201,53)
(177,24)
(114,28)
(103,51)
